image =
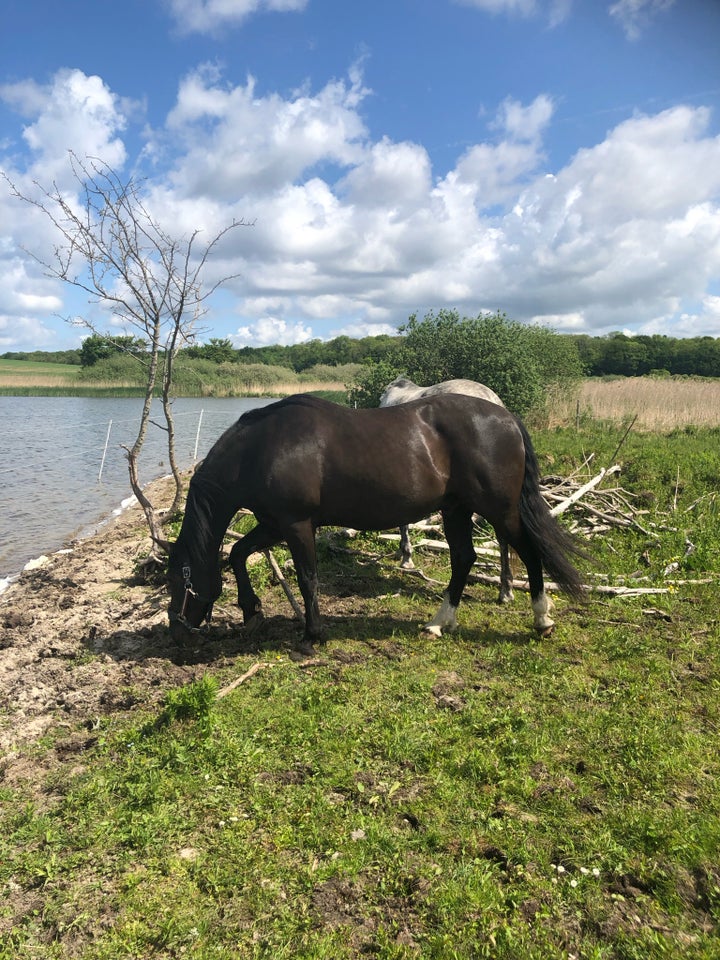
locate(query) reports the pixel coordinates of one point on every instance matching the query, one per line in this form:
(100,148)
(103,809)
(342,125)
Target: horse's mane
(258,414)
(202,494)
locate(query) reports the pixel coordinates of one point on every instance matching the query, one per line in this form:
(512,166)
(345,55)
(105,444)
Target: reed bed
(16,378)
(275,389)
(658,404)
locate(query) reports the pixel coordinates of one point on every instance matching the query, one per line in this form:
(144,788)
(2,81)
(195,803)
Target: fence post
(197,436)
(102,464)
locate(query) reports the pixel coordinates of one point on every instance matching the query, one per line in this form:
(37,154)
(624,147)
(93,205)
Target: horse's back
(403,390)
(466,388)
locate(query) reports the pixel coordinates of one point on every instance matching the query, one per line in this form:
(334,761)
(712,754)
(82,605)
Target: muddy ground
(83,635)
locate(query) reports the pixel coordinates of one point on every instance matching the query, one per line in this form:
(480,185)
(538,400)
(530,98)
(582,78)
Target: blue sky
(555,159)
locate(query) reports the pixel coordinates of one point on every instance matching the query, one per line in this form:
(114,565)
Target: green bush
(517,361)
(371,381)
(331,373)
(118,367)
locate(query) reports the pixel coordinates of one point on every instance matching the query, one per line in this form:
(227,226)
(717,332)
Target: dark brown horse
(303,463)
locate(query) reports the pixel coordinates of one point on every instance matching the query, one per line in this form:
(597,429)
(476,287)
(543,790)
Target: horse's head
(193,591)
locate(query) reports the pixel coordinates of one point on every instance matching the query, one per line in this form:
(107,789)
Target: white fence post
(102,464)
(197,436)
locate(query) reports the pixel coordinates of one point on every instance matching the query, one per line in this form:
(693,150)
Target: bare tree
(112,247)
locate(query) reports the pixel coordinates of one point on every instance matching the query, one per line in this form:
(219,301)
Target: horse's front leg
(259,538)
(300,538)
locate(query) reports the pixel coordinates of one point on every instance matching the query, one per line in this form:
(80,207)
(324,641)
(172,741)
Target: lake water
(57,478)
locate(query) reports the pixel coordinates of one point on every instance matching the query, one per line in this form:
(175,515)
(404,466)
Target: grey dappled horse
(402,390)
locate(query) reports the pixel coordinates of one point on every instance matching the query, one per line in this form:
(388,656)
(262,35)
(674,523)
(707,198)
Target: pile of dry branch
(595,507)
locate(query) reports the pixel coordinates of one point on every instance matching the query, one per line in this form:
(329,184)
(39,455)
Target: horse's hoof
(254,623)
(303,652)
(545,632)
(431,630)
(407,565)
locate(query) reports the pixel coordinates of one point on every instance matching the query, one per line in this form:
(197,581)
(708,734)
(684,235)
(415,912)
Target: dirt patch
(82,636)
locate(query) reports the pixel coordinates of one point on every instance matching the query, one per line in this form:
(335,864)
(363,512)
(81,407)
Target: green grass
(30,368)
(481,795)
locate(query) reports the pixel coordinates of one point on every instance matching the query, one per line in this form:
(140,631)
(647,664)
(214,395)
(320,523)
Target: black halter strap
(190,592)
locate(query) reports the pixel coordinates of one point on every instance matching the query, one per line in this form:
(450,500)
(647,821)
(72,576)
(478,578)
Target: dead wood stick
(581,491)
(279,577)
(285,585)
(618,591)
(624,437)
(255,668)
(415,572)
(441,546)
(619,521)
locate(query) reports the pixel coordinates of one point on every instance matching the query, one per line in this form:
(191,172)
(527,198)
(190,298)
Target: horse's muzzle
(180,631)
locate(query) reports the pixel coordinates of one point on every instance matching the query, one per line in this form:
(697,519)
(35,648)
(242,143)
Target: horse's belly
(369,508)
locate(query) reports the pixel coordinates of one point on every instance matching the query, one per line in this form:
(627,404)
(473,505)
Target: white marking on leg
(506,596)
(444,620)
(542,606)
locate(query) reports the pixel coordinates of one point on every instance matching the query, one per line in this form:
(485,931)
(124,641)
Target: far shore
(651,403)
(41,386)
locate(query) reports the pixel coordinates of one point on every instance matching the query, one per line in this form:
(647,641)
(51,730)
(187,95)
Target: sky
(557,160)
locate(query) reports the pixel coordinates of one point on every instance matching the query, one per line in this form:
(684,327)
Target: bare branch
(130,263)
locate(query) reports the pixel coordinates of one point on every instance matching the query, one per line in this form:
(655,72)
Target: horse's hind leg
(406,560)
(541,603)
(506,578)
(259,538)
(458,533)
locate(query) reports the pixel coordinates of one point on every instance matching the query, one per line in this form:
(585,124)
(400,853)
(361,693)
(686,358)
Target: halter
(190,592)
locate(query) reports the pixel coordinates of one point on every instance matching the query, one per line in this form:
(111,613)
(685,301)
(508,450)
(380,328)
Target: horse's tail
(554,545)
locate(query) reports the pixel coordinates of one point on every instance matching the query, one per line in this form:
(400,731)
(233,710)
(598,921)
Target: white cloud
(611,239)
(358,330)
(704,322)
(356,233)
(635,15)
(208,16)
(523,7)
(525,124)
(74,112)
(555,10)
(238,142)
(31,332)
(271,330)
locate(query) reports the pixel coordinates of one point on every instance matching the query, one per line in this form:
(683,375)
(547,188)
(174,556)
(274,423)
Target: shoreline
(78,630)
(87,533)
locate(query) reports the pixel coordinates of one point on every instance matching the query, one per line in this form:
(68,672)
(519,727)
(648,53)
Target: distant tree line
(613,355)
(298,357)
(636,356)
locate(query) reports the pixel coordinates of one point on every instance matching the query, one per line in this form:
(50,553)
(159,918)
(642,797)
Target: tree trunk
(134,452)
(169,420)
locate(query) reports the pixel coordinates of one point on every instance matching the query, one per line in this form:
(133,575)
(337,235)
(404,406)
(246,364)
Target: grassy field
(481,795)
(28,378)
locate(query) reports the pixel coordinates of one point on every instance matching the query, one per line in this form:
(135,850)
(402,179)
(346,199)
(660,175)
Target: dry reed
(658,404)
